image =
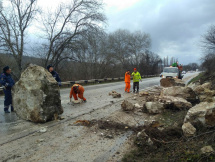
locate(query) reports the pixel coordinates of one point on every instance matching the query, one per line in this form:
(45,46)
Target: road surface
(63,141)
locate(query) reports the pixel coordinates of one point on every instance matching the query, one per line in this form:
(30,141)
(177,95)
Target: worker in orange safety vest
(77,89)
(127,81)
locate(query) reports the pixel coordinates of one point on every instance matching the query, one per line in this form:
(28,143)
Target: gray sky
(175,26)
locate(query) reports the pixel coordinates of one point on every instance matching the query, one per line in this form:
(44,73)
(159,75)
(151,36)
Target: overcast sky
(175,26)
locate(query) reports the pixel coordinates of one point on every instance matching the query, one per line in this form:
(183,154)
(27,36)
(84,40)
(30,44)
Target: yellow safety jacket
(136,76)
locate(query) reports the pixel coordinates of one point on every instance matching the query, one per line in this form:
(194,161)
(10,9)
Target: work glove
(141,80)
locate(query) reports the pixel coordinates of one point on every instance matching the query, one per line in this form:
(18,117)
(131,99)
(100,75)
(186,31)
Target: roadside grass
(196,79)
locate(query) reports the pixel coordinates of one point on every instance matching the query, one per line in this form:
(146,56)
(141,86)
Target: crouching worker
(77,89)
(7,82)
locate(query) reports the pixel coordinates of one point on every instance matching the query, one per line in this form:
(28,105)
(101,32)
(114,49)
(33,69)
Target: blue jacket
(56,76)
(7,81)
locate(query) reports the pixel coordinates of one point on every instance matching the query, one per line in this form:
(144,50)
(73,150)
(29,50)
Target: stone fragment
(154,107)
(137,106)
(143,93)
(207,150)
(127,106)
(188,129)
(177,103)
(115,94)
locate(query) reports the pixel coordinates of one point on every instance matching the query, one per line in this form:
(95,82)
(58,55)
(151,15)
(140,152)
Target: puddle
(8,118)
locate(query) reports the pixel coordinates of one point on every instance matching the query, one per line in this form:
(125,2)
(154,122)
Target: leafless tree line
(167,62)
(73,40)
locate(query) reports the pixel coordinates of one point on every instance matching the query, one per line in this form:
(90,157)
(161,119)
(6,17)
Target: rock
(188,129)
(36,96)
(170,82)
(205,93)
(76,101)
(40,140)
(127,106)
(207,85)
(43,130)
(143,139)
(193,85)
(182,92)
(177,103)
(135,98)
(115,94)
(143,93)
(154,107)
(207,150)
(137,106)
(203,113)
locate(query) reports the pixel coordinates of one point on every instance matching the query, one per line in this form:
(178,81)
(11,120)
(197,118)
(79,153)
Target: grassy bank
(197,78)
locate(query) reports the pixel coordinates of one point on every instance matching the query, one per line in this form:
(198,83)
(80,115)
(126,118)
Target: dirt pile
(36,96)
(170,82)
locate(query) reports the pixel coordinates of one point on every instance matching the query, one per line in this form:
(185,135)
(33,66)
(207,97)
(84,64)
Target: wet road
(63,142)
(97,97)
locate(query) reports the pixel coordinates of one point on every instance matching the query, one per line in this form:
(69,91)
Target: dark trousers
(136,84)
(7,98)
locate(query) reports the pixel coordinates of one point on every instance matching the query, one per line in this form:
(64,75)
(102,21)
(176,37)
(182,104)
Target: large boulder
(127,106)
(154,107)
(170,82)
(36,96)
(176,103)
(203,113)
(183,92)
(188,129)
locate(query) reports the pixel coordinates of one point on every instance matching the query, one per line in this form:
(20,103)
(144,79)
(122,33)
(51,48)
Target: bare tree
(209,39)
(69,22)
(15,18)
(209,50)
(118,46)
(139,43)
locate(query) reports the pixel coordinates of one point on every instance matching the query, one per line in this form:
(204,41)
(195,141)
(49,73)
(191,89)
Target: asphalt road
(16,133)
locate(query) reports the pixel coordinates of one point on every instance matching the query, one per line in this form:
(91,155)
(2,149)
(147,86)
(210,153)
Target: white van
(170,72)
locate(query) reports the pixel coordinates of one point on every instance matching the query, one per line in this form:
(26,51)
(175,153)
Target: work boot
(6,110)
(12,109)
(85,101)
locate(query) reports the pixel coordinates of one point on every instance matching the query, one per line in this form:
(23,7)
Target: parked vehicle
(170,72)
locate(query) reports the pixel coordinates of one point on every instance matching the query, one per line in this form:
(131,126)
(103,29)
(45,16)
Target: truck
(171,72)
